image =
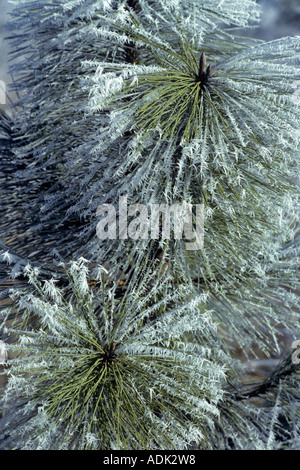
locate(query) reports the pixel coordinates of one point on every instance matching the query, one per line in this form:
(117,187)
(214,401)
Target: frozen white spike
(3,353)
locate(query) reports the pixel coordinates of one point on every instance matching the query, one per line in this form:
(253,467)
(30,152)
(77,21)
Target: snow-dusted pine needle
(100,370)
(3,353)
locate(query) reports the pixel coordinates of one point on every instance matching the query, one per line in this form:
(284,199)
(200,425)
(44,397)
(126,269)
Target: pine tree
(128,342)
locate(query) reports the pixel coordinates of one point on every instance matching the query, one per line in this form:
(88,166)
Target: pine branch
(131,52)
(114,99)
(285,369)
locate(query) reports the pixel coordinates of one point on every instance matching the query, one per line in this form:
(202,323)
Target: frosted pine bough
(240,166)
(239,160)
(48,71)
(102,372)
(229,166)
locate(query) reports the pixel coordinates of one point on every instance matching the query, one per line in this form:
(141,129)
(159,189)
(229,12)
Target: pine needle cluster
(164,102)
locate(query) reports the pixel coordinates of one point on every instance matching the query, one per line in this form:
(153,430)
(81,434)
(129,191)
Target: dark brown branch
(203,71)
(284,369)
(131,52)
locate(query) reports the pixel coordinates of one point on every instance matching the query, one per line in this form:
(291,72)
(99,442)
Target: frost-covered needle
(3,353)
